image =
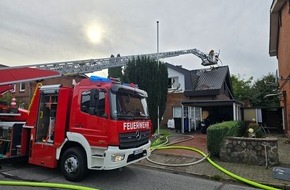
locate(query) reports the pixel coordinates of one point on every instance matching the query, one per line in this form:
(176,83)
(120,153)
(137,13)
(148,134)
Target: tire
(74,164)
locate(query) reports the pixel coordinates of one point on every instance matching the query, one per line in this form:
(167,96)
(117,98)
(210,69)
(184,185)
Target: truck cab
(99,124)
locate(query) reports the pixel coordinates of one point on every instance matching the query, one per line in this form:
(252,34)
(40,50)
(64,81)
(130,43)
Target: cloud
(47,31)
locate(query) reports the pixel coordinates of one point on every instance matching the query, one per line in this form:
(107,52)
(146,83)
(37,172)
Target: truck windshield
(126,105)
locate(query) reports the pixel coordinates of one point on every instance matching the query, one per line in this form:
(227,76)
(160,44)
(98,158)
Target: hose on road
(165,146)
(44,185)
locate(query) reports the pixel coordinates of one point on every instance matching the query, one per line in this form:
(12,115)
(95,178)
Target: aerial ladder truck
(99,124)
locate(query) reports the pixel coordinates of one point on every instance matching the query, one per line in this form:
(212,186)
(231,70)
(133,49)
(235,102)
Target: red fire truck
(99,124)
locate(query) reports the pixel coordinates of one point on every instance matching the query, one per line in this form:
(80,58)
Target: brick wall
(173,99)
(284,59)
(25,96)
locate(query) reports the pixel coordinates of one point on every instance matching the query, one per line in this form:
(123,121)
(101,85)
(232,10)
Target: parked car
(213,119)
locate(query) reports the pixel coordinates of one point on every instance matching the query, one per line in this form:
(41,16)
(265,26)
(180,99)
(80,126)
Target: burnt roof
(211,79)
(202,82)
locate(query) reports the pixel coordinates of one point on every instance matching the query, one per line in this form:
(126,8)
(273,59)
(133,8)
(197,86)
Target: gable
(212,79)
(211,82)
(175,80)
(179,75)
(200,82)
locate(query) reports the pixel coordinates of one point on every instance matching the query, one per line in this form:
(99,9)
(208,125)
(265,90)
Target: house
(279,46)
(198,94)
(4,88)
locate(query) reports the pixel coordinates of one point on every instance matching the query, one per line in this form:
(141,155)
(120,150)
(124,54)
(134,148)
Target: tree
(256,93)
(152,78)
(241,88)
(262,87)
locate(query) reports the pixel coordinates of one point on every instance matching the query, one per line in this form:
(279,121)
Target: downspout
(234,112)
(285,112)
(182,118)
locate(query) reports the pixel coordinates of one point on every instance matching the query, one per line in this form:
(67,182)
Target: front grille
(134,140)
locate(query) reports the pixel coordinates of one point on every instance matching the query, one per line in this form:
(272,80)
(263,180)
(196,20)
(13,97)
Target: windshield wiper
(125,116)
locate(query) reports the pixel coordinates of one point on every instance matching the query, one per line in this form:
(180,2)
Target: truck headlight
(117,157)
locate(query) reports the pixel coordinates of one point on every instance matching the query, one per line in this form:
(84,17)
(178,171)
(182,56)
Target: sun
(95,33)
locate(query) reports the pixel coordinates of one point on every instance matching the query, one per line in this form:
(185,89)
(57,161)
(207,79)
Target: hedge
(217,132)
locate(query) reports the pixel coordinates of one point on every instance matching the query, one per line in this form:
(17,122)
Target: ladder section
(92,65)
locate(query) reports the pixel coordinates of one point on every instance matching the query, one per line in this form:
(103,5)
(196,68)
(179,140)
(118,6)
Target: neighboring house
(4,88)
(24,91)
(279,46)
(195,95)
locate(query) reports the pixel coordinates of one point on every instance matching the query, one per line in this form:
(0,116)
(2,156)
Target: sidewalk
(259,174)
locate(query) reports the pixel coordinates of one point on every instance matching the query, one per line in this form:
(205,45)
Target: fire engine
(99,124)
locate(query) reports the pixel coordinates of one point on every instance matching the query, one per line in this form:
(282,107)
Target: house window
(185,111)
(177,112)
(14,88)
(22,87)
(169,83)
(173,83)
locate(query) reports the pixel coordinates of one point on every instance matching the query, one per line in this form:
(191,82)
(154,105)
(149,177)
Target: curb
(216,177)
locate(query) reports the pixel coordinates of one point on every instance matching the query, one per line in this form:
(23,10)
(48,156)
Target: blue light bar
(131,85)
(99,79)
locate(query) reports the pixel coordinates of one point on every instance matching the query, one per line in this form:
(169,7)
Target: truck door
(92,121)
(43,150)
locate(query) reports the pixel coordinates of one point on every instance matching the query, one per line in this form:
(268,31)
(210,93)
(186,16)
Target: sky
(36,32)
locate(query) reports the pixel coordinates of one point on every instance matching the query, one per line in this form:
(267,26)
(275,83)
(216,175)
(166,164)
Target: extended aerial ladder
(12,75)
(91,65)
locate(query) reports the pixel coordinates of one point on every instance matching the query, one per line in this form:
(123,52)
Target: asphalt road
(130,178)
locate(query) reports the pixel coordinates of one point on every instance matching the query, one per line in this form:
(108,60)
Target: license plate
(138,151)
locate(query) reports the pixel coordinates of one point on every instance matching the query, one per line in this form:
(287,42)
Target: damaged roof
(202,82)
(212,79)
(208,82)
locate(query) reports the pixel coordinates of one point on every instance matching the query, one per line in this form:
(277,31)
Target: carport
(194,111)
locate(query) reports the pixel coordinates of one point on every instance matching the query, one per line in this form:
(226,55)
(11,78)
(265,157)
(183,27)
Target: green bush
(217,132)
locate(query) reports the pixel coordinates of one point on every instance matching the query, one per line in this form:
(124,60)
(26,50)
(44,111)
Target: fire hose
(44,185)
(164,146)
(156,146)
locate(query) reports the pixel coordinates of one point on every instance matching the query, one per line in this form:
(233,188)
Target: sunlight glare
(95,33)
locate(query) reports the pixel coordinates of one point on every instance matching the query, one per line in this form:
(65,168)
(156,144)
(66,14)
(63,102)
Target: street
(130,178)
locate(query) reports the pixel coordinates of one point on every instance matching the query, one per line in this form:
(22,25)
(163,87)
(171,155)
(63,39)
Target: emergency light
(131,85)
(99,79)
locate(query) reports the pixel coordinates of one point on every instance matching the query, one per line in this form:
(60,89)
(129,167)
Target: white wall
(180,76)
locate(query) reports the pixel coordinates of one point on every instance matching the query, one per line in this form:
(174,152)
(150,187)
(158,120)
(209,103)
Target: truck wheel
(74,164)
